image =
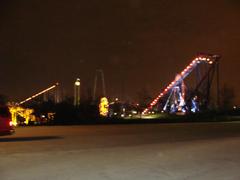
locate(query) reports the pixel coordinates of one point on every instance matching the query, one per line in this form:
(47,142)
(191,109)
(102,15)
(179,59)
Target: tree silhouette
(3,99)
(143,97)
(227,96)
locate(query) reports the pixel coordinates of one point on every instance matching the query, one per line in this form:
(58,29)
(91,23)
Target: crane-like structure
(175,97)
(27,113)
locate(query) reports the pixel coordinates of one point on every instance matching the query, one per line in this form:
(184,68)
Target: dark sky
(138,43)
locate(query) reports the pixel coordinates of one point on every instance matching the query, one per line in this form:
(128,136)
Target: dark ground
(144,151)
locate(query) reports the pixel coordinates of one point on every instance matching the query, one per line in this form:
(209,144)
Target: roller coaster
(178,97)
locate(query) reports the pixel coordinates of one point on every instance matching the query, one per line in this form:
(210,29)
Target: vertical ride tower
(99,72)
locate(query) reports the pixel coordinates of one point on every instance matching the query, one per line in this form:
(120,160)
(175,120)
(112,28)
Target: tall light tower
(77,92)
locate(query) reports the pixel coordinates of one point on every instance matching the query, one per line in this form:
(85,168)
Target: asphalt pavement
(189,151)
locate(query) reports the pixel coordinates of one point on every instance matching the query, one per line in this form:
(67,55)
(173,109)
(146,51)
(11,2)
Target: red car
(6,125)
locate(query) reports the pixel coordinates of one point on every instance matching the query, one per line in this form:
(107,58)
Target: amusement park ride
(99,73)
(183,95)
(17,109)
(177,97)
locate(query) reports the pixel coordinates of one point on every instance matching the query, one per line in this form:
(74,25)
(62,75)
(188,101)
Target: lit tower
(77,92)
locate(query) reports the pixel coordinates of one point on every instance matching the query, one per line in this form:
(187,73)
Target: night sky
(138,43)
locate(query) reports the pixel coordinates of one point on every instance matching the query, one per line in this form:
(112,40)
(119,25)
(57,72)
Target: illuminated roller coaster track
(200,59)
(38,94)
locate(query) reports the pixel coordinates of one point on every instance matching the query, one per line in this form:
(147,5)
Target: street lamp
(77,92)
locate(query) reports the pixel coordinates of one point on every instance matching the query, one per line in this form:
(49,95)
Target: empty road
(123,152)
